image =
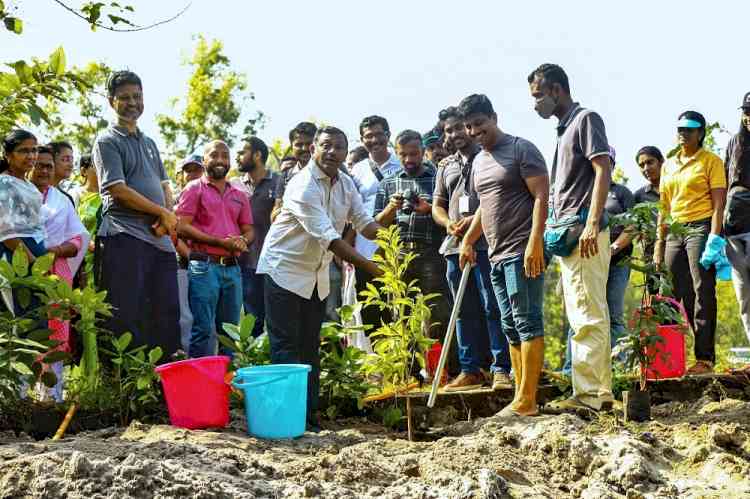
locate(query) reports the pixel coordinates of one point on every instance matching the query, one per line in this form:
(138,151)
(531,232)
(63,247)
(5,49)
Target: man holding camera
(406,199)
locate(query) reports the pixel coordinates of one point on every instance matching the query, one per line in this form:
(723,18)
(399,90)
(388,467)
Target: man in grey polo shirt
(581,175)
(138,267)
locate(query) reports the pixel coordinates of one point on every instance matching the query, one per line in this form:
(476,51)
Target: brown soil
(697,449)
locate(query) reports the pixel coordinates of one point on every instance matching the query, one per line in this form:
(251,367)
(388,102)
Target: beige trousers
(585,290)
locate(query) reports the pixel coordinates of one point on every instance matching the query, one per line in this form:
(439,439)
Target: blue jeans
(520,299)
(617,283)
(478,326)
(252,290)
(215,298)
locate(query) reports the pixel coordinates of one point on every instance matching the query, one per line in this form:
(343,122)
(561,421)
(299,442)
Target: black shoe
(312,428)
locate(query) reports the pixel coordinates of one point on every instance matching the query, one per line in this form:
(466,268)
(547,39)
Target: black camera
(411,200)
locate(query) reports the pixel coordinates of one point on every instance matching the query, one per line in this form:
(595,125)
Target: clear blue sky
(638,63)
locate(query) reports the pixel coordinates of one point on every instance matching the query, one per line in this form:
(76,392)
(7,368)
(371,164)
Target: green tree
(84,115)
(213,104)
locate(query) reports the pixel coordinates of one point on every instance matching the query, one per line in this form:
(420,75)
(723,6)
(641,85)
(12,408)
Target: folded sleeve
(188,204)
(717,177)
(108,163)
(593,136)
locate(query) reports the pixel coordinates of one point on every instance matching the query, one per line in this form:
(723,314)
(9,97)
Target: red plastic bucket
(196,393)
(432,361)
(669,355)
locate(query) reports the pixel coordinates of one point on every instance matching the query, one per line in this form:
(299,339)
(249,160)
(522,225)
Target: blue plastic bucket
(275,399)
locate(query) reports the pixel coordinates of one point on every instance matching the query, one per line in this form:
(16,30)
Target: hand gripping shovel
(449,334)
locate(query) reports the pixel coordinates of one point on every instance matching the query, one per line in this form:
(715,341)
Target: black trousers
(293,325)
(141,285)
(694,285)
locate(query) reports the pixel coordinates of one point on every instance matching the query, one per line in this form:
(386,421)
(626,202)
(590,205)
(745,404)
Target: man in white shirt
(295,259)
(380,164)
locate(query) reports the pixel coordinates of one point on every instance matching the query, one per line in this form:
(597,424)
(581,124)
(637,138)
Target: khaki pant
(585,290)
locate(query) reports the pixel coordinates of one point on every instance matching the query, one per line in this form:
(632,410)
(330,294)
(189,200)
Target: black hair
(448,113)
(10,143)
(549,74)
(650,151)
(257,145)
(303,128)
(121,78)
(475,104)
(330,130)
(407,136)
(48,149)
(371,121)
(696,116)
(86,161)
(360,153)
(58,146)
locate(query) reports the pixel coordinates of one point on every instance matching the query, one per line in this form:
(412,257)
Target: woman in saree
(66,238)
(21,222)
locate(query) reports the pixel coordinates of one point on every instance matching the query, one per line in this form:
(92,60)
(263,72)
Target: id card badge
(463,205)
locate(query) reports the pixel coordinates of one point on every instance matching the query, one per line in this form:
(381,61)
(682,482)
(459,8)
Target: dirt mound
(694,450)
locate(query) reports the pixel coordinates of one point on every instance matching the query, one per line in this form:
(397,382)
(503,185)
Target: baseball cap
(691,119)
(746,101)
(193,159)
(430,138)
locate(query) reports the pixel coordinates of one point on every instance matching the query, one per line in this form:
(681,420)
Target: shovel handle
(449,334)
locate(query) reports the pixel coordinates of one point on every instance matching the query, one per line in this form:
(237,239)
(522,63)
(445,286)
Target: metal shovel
(449,334)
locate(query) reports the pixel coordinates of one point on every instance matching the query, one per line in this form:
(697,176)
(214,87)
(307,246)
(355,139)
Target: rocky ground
(699,449)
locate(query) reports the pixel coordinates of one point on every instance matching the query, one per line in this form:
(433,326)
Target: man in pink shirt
(215,216)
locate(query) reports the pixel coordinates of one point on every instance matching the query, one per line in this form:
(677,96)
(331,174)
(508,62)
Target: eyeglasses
(687,130)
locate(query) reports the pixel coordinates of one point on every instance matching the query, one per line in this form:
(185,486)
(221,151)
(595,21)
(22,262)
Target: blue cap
(687,123)
(194,159)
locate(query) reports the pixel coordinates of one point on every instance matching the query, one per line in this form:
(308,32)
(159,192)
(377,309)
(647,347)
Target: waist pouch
(737,213)
(561,235)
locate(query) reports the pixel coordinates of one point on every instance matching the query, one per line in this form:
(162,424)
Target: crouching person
(295,259)
(215,216)
(510,177)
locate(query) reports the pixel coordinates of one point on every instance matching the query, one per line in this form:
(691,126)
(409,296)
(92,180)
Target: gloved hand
(713,251)
(723,269)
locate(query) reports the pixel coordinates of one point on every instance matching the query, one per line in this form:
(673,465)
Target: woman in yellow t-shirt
(89,210)
(693,192)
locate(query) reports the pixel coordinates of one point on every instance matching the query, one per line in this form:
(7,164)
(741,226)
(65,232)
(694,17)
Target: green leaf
(13,24)
(143,382)
(42,265)
(6,270)
(57,61)
(155,354)
(227,342)
(123,341)
(24,72)
(20,262)
(21,368)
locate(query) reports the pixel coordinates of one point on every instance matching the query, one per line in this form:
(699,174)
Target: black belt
(227,261)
